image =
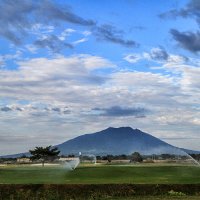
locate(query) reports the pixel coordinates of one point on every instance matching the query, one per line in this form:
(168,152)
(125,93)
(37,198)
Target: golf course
(100,181)
(100,174)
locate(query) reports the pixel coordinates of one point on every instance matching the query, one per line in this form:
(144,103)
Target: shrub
(174,193)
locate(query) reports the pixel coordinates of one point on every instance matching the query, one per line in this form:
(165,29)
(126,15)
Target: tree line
(49,154)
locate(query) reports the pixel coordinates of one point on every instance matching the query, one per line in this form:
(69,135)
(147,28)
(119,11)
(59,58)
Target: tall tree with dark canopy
(44,153)
(136,157)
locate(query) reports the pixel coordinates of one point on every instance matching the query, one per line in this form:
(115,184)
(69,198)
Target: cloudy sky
(80,66)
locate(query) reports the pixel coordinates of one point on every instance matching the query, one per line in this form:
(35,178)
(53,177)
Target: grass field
(103,182)
(104,174)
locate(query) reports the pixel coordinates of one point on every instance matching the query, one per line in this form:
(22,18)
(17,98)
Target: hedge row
(94,191)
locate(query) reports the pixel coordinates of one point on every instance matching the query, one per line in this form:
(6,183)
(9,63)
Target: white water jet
(180,156)
(195,161)
(72,164)
(90,157)
(181,152)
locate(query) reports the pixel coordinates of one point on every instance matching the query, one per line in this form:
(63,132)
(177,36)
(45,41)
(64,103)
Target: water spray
(72,163)
(181,152)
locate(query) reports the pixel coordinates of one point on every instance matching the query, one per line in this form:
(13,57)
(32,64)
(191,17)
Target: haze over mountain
(116,141)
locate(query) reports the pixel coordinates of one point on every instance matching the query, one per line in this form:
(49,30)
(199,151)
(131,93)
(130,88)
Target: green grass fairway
(100,174)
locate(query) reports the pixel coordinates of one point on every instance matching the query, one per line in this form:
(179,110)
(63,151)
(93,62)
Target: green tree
(109,158)
(44,154)
(136,157)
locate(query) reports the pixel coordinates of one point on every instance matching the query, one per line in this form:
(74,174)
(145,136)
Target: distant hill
(116,141)
(123,140)
(17,155)
(190,151)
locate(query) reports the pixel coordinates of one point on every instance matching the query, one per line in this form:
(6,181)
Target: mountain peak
(116,141)
(123,127)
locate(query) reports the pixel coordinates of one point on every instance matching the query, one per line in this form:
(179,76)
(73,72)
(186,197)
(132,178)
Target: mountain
(17,155)
(190,151)
(116,141)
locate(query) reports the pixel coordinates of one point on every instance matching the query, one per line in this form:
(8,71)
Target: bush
(173,193)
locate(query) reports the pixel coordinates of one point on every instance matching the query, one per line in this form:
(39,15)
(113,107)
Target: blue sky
(79,66)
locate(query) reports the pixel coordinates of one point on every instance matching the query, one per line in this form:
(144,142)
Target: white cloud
(176,59)
(141,80)
(157,55)
(36,78)
(133,58)
(190,79)
(86,33)
(80,41)
(42,28)
(32,48)
(53,86)
(6,57)
(196,121)
(66,33)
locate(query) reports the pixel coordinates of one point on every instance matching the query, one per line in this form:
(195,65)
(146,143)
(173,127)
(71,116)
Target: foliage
(136,157)
(44,153)
(196,156)
(8,160)
(113,157)
(94,192)
(173,193)
(23,156)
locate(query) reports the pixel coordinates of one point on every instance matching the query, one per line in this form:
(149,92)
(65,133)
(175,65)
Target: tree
(109,158)
(48,153)
(23,156)
(136,157)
